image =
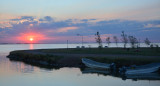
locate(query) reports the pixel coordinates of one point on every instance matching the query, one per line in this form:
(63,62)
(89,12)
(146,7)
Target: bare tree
(98,39)
(139,43)
(133,40)
(82,38)
(115,40)
(124,39)
(147,42)
(108,40)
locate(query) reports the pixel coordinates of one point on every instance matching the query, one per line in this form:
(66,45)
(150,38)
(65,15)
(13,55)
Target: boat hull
(143,70)
(93,64)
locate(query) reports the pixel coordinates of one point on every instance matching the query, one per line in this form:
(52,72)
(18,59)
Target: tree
(124,39)
(82,38)
(98,39)
(147,42)
(108,40)
(139,43)
(133,40)
(115,40)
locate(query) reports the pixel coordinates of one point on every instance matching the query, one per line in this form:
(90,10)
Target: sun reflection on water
(31,46)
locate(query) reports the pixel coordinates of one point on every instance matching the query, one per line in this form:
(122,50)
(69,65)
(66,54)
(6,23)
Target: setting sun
(31,39)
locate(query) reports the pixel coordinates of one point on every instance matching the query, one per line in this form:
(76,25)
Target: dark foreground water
(20,74)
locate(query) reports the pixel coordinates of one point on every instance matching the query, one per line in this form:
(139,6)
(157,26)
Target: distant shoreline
(69,43)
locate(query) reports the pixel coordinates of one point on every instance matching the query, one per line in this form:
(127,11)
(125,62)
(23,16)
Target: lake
(13,73)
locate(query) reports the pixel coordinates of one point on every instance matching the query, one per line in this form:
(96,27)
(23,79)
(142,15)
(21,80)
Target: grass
(140,51)
(38,57)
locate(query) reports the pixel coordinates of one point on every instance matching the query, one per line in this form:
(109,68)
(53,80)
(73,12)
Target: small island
(71,57)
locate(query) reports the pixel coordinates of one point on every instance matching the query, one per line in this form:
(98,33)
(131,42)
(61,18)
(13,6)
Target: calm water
(21,74)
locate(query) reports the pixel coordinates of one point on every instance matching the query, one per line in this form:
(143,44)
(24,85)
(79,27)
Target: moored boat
(94,64)
(149,68)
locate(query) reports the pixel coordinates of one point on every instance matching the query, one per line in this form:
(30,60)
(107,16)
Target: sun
(31,39)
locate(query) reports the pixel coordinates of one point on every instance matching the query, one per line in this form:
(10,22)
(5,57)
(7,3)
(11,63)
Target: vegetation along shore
(72,57)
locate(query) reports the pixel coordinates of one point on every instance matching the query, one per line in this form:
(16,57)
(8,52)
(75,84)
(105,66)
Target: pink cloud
(5,24)
(66,29)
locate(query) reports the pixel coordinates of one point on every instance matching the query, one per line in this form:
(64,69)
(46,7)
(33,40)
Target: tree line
(125,39)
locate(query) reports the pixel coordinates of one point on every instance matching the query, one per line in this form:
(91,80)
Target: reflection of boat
(147,76)
(149,68)
(94,64)
(96,71)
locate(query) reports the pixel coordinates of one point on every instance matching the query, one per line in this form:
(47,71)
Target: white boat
(149,68)
(94,64)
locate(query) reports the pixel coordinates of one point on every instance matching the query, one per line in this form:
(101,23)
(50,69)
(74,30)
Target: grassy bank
(72,57)
(22,55)
(140,51)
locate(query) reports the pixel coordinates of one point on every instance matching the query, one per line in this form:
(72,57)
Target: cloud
(52,29)
(31,18)
(66,29)
(46,18)
(5,24)
(152,25)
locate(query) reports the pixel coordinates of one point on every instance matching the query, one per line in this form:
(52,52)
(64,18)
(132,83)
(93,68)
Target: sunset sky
(55,21)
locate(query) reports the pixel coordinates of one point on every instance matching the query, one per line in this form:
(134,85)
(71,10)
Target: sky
(56,21)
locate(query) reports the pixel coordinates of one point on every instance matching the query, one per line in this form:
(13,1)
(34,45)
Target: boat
(143,69)
(94,64)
